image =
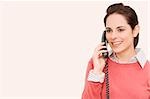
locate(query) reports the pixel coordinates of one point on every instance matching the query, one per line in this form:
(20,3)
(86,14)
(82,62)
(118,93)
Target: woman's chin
(117,50)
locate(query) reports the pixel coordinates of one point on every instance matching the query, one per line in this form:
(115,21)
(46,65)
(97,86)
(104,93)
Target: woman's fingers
(100,47)
(99,53)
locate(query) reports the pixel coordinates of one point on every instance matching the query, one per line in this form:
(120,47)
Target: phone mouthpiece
(105,55)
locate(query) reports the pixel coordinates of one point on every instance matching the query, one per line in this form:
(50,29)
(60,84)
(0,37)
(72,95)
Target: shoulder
(147,67)
(148,63)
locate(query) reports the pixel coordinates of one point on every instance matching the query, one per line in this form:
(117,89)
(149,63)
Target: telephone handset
(105,55)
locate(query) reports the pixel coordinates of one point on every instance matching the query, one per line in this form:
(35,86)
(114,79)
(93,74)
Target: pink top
(126,81)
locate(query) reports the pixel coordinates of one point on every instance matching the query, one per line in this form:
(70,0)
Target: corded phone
(105,55)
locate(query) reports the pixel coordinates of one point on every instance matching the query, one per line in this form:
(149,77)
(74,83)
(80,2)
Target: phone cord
(107,81)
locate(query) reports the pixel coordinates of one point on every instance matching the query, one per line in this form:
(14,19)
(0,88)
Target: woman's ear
(136,30)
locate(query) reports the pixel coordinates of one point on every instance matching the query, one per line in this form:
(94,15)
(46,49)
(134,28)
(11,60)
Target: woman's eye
(108,31)
(120,30)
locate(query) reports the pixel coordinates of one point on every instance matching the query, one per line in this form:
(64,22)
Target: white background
(45,46)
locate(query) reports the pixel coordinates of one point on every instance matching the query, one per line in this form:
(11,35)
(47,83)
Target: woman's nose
(113,35)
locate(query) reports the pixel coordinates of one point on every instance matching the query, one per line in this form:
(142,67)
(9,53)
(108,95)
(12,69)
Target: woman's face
(119,33)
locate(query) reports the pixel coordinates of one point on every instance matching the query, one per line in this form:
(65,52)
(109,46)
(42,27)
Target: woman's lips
(116,43)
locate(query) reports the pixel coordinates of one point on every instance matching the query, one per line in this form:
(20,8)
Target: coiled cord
(107,81)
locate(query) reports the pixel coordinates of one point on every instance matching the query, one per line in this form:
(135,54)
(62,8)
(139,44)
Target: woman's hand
(98,60)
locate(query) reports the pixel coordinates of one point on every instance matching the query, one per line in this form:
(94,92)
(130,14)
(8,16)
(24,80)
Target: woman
(125,74)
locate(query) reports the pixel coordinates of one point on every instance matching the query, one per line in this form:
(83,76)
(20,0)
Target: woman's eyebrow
(120,27)
(108,28)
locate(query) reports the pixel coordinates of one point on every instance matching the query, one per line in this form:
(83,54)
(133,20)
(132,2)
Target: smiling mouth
(116,43)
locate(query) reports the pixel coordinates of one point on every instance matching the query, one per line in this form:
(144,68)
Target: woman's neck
(125,55)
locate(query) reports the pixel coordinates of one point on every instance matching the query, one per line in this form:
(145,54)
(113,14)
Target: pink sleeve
(92,90)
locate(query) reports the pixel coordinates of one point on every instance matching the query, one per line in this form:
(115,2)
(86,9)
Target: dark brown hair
(129,14)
